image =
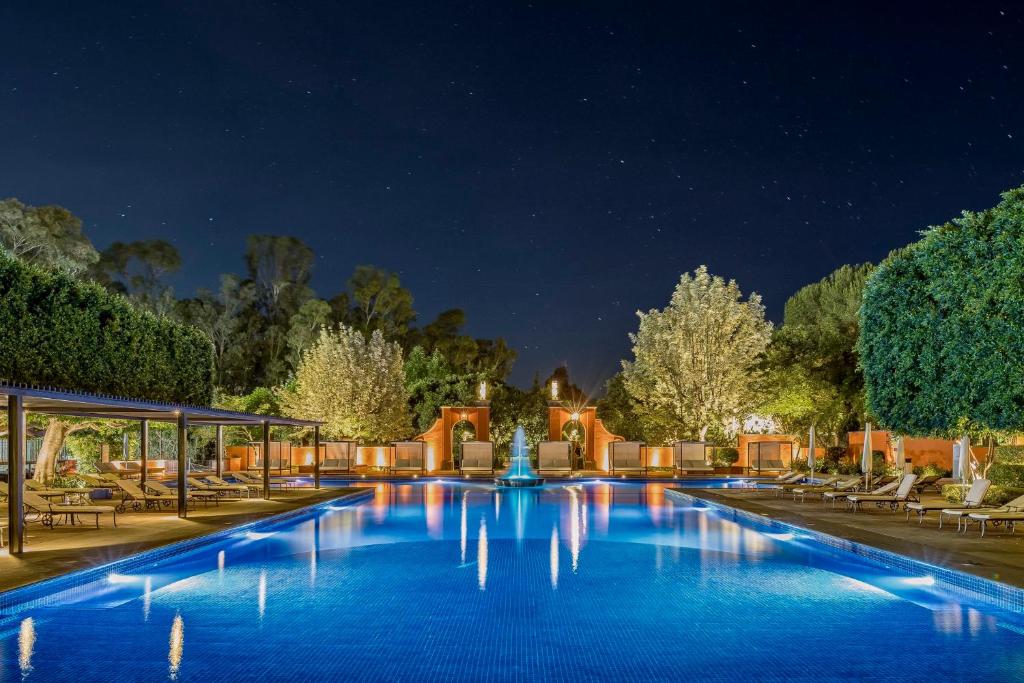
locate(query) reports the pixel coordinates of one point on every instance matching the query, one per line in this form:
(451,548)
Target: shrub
(75,335)
(996,495)
(725,457)
(931,469)
(1007,475)
(1010,455)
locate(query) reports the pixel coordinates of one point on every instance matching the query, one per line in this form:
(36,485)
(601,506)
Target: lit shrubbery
(996,495)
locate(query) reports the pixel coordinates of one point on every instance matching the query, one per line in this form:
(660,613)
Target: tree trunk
(53,441)
(703,432)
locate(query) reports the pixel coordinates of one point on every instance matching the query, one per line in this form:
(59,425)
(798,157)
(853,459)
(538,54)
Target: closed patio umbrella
(956,461)
(866,461)
(964,472)
(901,454)
(810,451)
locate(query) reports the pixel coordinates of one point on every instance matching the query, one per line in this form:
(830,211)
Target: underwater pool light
(919,580)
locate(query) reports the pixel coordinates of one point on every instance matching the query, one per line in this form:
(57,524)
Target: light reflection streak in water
(481,556)
(176,646)
(553,559)
(26,644)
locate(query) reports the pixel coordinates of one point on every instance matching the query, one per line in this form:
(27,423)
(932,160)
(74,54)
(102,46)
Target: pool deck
(998,556)
(52,552)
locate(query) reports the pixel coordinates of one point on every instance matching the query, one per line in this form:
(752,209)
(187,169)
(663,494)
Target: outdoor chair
(1010,514)
(239,490)
(43,493)
(191,496)
(627,456)
(49,512)
(554,457)
(903,493)
(972,501)
(836,496)
(245,478)
(801,492)
(782,489)
(217,481)
(928,480)
(477,456)
(139,499)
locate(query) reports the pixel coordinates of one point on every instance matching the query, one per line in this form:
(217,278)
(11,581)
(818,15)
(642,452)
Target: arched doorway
(575,433)
(462,431)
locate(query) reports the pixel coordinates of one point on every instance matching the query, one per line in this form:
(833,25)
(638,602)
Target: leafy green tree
(355,384)
(695,361)
(306,324)
(222,316)
(139,269)
(47,236)
(376,300)
(431,383)
(812,365)
(511,407)
(620,413)
(942,327)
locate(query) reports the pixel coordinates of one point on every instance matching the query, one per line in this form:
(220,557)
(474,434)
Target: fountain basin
(518,482)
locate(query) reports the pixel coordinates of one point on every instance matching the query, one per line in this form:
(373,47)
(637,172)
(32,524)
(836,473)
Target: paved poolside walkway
(998,556)
(51,552)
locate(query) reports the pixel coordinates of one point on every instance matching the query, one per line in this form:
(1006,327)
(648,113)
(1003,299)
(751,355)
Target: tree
(47,236)
(221,315)
(354,384)
(812,364)
(620,412)
(306,324)
(378,302)
(431,383)
(512,407)
(695,361)
(138,269)
(942,327)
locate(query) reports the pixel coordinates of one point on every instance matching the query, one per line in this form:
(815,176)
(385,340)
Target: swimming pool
(454,581)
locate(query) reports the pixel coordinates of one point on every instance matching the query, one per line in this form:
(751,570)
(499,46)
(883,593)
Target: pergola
(22,399)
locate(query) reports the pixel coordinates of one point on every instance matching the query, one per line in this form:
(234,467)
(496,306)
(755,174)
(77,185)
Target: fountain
(520,474)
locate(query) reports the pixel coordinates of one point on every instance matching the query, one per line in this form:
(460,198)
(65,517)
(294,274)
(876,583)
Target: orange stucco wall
(439,436)
(918,450)
(597,437)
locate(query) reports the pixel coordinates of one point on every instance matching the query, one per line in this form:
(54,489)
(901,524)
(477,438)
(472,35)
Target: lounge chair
(781,489)
(252,489)
(191,496)
(961,514)
(554,457)
(627,456)
(245,478)
(239,490)
(902,494)
(928,480)
(1008,514)
(972,501)
(42,492)
(409,456)
(93,481)
(50,511)
(769,487)
(848,485)
(139,499)
(477,456)
(836,496)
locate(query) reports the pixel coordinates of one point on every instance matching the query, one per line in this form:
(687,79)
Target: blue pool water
(451,581)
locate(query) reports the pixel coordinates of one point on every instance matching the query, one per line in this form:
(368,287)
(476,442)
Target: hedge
(60,332)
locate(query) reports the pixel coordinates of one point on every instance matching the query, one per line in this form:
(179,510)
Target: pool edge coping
(997,593)
(19,598)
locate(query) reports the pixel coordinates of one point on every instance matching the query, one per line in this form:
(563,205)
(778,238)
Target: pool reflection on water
(462,581)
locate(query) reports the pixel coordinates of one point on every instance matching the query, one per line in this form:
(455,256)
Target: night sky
(549,167)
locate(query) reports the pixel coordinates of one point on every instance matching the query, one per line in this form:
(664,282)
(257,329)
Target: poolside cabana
(22,399)
(554,456)
(478,457)
(627,456)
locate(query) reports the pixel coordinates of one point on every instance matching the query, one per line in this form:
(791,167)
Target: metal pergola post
(182,465)
(316,457)
(266,460)
(219,455)
(143,452)
(16,449)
